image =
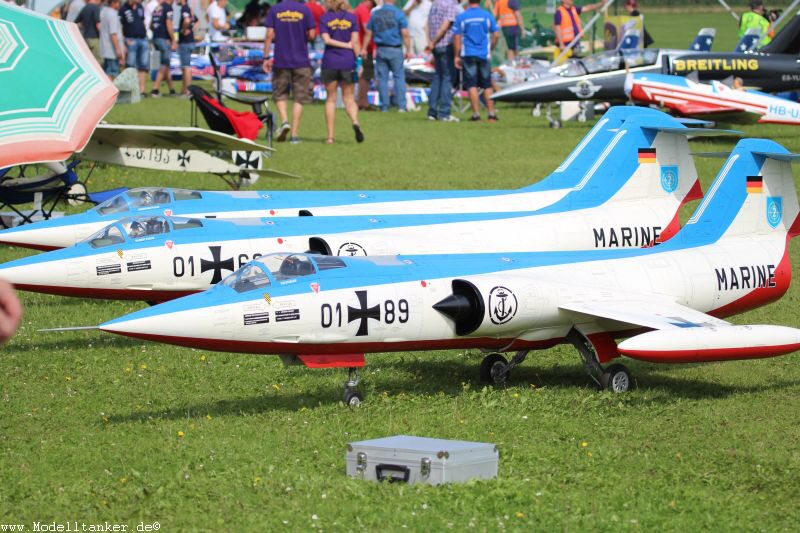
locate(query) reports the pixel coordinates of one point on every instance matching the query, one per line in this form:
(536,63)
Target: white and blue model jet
(629,197)
(731,256)
(66,231)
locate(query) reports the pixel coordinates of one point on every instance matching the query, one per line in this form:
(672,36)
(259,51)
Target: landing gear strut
(352,398)
(495,368)
(615,378)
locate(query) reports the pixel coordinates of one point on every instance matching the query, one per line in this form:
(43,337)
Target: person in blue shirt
(388,27)
(475,34)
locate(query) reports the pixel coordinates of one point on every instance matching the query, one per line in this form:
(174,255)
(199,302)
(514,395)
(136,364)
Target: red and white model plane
(715,100)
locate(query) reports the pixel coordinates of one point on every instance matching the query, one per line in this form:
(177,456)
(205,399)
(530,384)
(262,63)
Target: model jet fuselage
(602,76)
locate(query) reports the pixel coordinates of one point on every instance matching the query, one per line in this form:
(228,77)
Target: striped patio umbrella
(52,91)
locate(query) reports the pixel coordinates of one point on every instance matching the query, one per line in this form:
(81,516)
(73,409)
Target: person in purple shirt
(290,26)
(339,28)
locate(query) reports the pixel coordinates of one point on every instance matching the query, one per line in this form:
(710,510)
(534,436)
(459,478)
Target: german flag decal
(647,155)
(755,184)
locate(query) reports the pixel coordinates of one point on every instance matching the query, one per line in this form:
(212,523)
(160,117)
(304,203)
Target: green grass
(89,423)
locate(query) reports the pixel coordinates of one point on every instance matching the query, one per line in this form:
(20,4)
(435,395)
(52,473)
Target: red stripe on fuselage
(109,294)
(42,247)
(278,348)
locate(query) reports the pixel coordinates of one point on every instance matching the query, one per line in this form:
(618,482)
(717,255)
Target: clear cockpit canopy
(608,61)
(132,228)
(279,267)
(144,197)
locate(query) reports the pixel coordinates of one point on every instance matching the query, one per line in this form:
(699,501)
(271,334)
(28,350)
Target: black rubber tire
(490,367)
(617,378)
(353,398)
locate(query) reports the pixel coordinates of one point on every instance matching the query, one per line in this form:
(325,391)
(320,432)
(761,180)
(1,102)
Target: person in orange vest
(567,22)
(509,18)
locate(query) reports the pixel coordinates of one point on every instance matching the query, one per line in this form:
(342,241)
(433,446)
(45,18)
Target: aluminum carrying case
(404,458)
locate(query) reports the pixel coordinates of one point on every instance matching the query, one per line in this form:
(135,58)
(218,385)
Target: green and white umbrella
(52,91)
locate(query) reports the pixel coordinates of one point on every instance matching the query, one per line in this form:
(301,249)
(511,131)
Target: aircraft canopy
(144,197)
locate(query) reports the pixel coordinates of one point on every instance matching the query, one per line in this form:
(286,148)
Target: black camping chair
(44,191)
(217,119)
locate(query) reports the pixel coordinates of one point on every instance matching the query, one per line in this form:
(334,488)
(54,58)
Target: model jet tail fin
(572,170)
(754,193)
(704,40)
(647,158)
(787,40)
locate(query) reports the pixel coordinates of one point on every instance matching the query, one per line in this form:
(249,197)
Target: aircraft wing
(172,138)
(654,313)
(696,108)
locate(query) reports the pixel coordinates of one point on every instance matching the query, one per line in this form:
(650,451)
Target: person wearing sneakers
(475,34)
(161,24)
(388,27)
(290,25)
(131,16)
(342,44)
(186,26)
(440,33)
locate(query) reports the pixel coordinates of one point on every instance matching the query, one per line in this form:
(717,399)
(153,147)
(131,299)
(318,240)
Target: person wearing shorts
(112,49)
(161,24)
(186,27)
(291,26)
(509,18)
(138,56)
(362,13)
(475,34)
(339,29)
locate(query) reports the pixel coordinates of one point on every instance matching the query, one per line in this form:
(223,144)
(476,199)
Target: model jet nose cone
(35,270)
(454,306)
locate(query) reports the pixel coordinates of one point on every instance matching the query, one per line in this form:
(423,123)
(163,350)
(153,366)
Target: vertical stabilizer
(753,194)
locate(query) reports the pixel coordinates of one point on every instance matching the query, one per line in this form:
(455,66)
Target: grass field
(96,428)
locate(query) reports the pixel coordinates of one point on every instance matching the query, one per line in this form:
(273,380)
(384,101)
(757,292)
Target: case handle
(380,468)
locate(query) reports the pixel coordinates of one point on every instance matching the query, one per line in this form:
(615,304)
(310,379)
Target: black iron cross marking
(363,314)
(184,158)
(216,265)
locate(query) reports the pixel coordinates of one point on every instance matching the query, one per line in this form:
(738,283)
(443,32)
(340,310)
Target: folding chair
(59,182)
(243,124)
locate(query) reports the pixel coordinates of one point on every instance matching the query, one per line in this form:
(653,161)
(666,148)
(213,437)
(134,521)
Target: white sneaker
(283,131)
(450,118)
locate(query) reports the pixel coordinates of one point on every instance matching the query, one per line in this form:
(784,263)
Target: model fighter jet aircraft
(325,311)
(630,197)
(66,231)
(602,76)
(715,100)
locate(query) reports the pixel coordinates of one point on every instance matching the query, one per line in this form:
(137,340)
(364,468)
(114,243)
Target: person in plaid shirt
(440,35)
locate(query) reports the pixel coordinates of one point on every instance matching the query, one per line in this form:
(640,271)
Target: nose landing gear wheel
(494,369)
(353,398)
(616,378)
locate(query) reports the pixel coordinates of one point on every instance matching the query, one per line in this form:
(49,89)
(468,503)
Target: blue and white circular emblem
(774,210)
(669,178)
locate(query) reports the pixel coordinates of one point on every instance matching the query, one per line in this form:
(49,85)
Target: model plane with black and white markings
(630,197)
(602,76)
(731,256)
(68,230)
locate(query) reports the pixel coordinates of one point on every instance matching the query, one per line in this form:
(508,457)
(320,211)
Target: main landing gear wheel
(617,378)
(352,398)
(494,369)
